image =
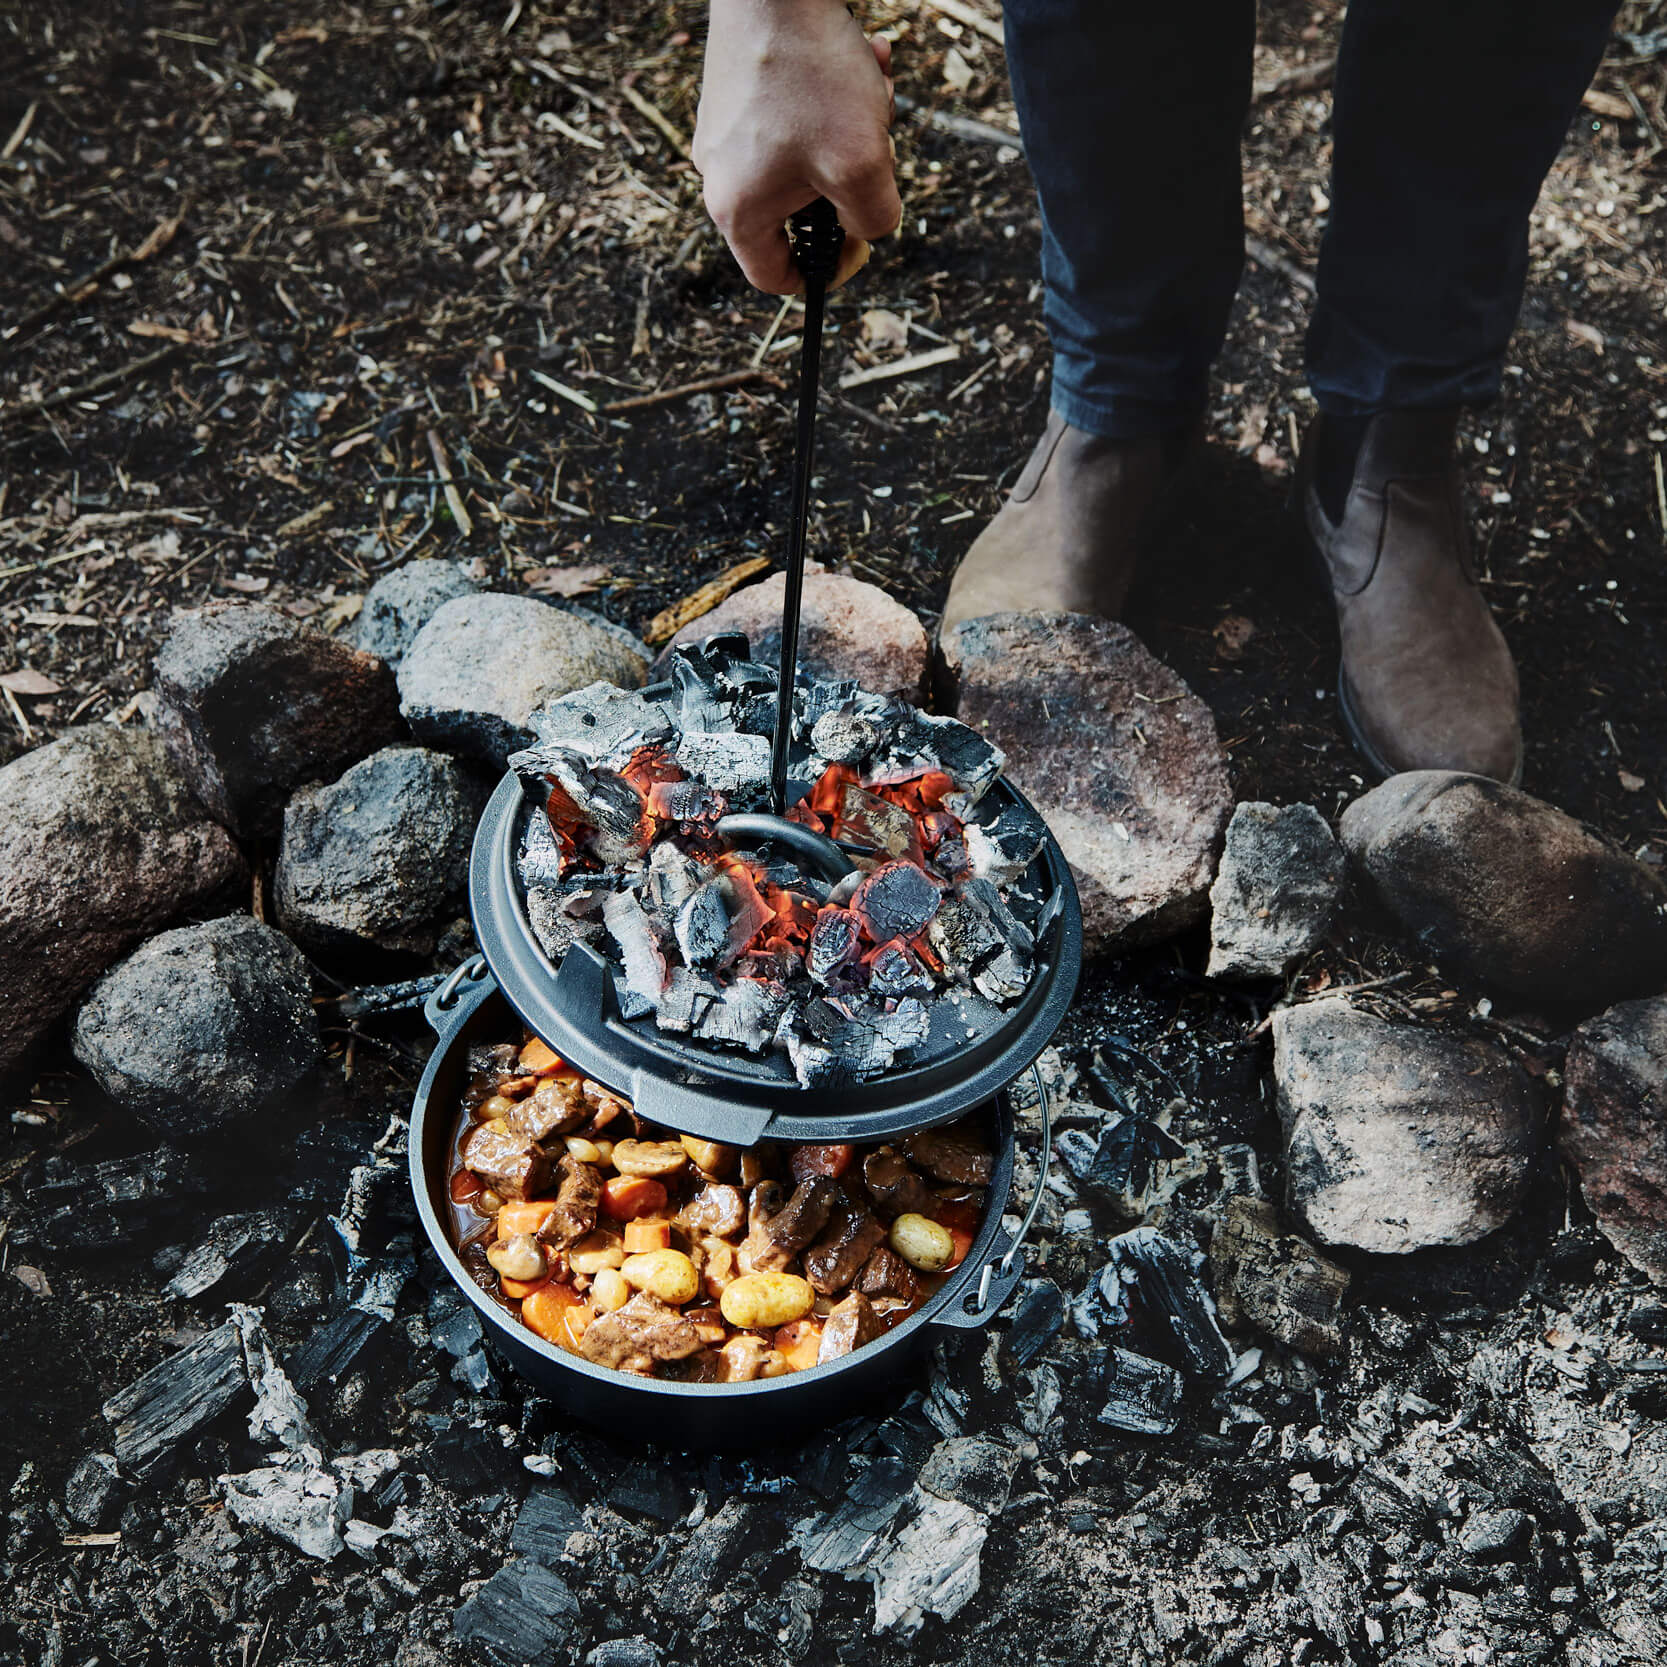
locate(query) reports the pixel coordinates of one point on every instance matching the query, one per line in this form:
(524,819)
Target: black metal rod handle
(817,238)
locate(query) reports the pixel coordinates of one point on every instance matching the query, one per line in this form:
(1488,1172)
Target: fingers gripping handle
(817,238)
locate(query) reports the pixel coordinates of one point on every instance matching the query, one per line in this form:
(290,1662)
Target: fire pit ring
(471,1009)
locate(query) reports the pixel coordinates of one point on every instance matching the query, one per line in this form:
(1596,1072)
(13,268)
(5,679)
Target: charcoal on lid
(896,901)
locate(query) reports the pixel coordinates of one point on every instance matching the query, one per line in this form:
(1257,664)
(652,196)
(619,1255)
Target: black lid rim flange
(698,1092)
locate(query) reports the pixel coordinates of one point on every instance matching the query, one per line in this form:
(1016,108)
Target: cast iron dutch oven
(965,1066)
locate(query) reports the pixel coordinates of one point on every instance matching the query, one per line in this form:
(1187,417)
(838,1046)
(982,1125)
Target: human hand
(795,104)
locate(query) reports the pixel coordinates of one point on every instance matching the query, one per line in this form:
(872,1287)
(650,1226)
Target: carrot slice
(518,1289)
(798,1342)
(546,1310)
(625,1197)
(539,1059)
(961,1219)
(524,1216)
(647,1234)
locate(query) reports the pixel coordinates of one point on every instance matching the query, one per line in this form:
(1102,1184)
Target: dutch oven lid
(973,1048)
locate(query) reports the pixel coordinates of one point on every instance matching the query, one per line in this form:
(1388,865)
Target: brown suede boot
(1067,537)
(1426,681)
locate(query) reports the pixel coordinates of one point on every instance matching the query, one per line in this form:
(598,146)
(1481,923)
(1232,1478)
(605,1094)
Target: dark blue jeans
(1447,115)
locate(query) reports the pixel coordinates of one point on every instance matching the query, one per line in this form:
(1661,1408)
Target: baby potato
(609,1290)
(653,1158)
(586,1151)
(667,1274)
(708,1156)
(763,1301)
(922,1243)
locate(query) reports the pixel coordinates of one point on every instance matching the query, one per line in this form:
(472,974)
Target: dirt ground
(268,273)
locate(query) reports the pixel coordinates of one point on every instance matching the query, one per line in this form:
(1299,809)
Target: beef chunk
(553,1109)
(853,1235)
(852,1323)
(886,1274)
(953,1153)
(507,1161)
(716,1210)
(760,1254)
(645,1330)
(893,1184)
(604,1107)
(804,1215)
(574,1214)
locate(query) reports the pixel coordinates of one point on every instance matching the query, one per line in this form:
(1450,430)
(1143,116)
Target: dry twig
(706,385)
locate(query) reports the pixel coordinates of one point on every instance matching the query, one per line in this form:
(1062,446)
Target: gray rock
(482,665)
(375,859)
(848,628)
(95,1490)
(201,1026)
(1614,1127)
(101,844)
(253,703)
(1398,1138)
(402,602)
(1281,879)
(1511,889)
(1114,750)
(524,1613)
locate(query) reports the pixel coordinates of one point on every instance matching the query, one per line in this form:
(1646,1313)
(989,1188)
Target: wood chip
(561,389)
(305,521)
(27,682)
(654,114)
(706,385)
(81,620)
(454,498)
(669,621)
(91,1539)
(33,1279)
(1606,104)
(986,25)
(901,367)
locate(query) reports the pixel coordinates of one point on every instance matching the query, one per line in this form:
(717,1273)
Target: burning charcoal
(177,1396)
(695,674)
(1036,1321)
(835,942)
(887,829)
(748,913)
(541,860)
(950,859)
(947,744)
(1166,1276)
(1004,847)
(895,971)
(599,723)
(561,919)
(746,1014)
(687,802)
(896,901)
(641,961)
(525,1612)
(609,806)
(673,878)
(844,737)
(702,928)
(865,1039)
(732,763)
(1142,1396)
(1005,976)
(962,935)
(685,1000)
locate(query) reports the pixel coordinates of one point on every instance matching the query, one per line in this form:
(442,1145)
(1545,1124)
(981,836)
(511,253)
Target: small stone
(402,602)
(1511,889)
(1115,751)
(524,1613)
(1280,882)
(202,1026)
(482,665)
(94,1493)
(252,703)
(972,1469)
(1274,1281)
(1398,1138)
(101,844)
(848,628)
(377,859)
(1614,1128)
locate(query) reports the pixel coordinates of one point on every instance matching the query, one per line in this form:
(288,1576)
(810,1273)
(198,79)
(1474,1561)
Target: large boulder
(372,860)
(1398,1138)
(483,664)
(202,1026)
(1614,1127)
(1281,879)
(402,602)
(253,704)
(847,628)
(1114,750)
(101,844)
(1511,889)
